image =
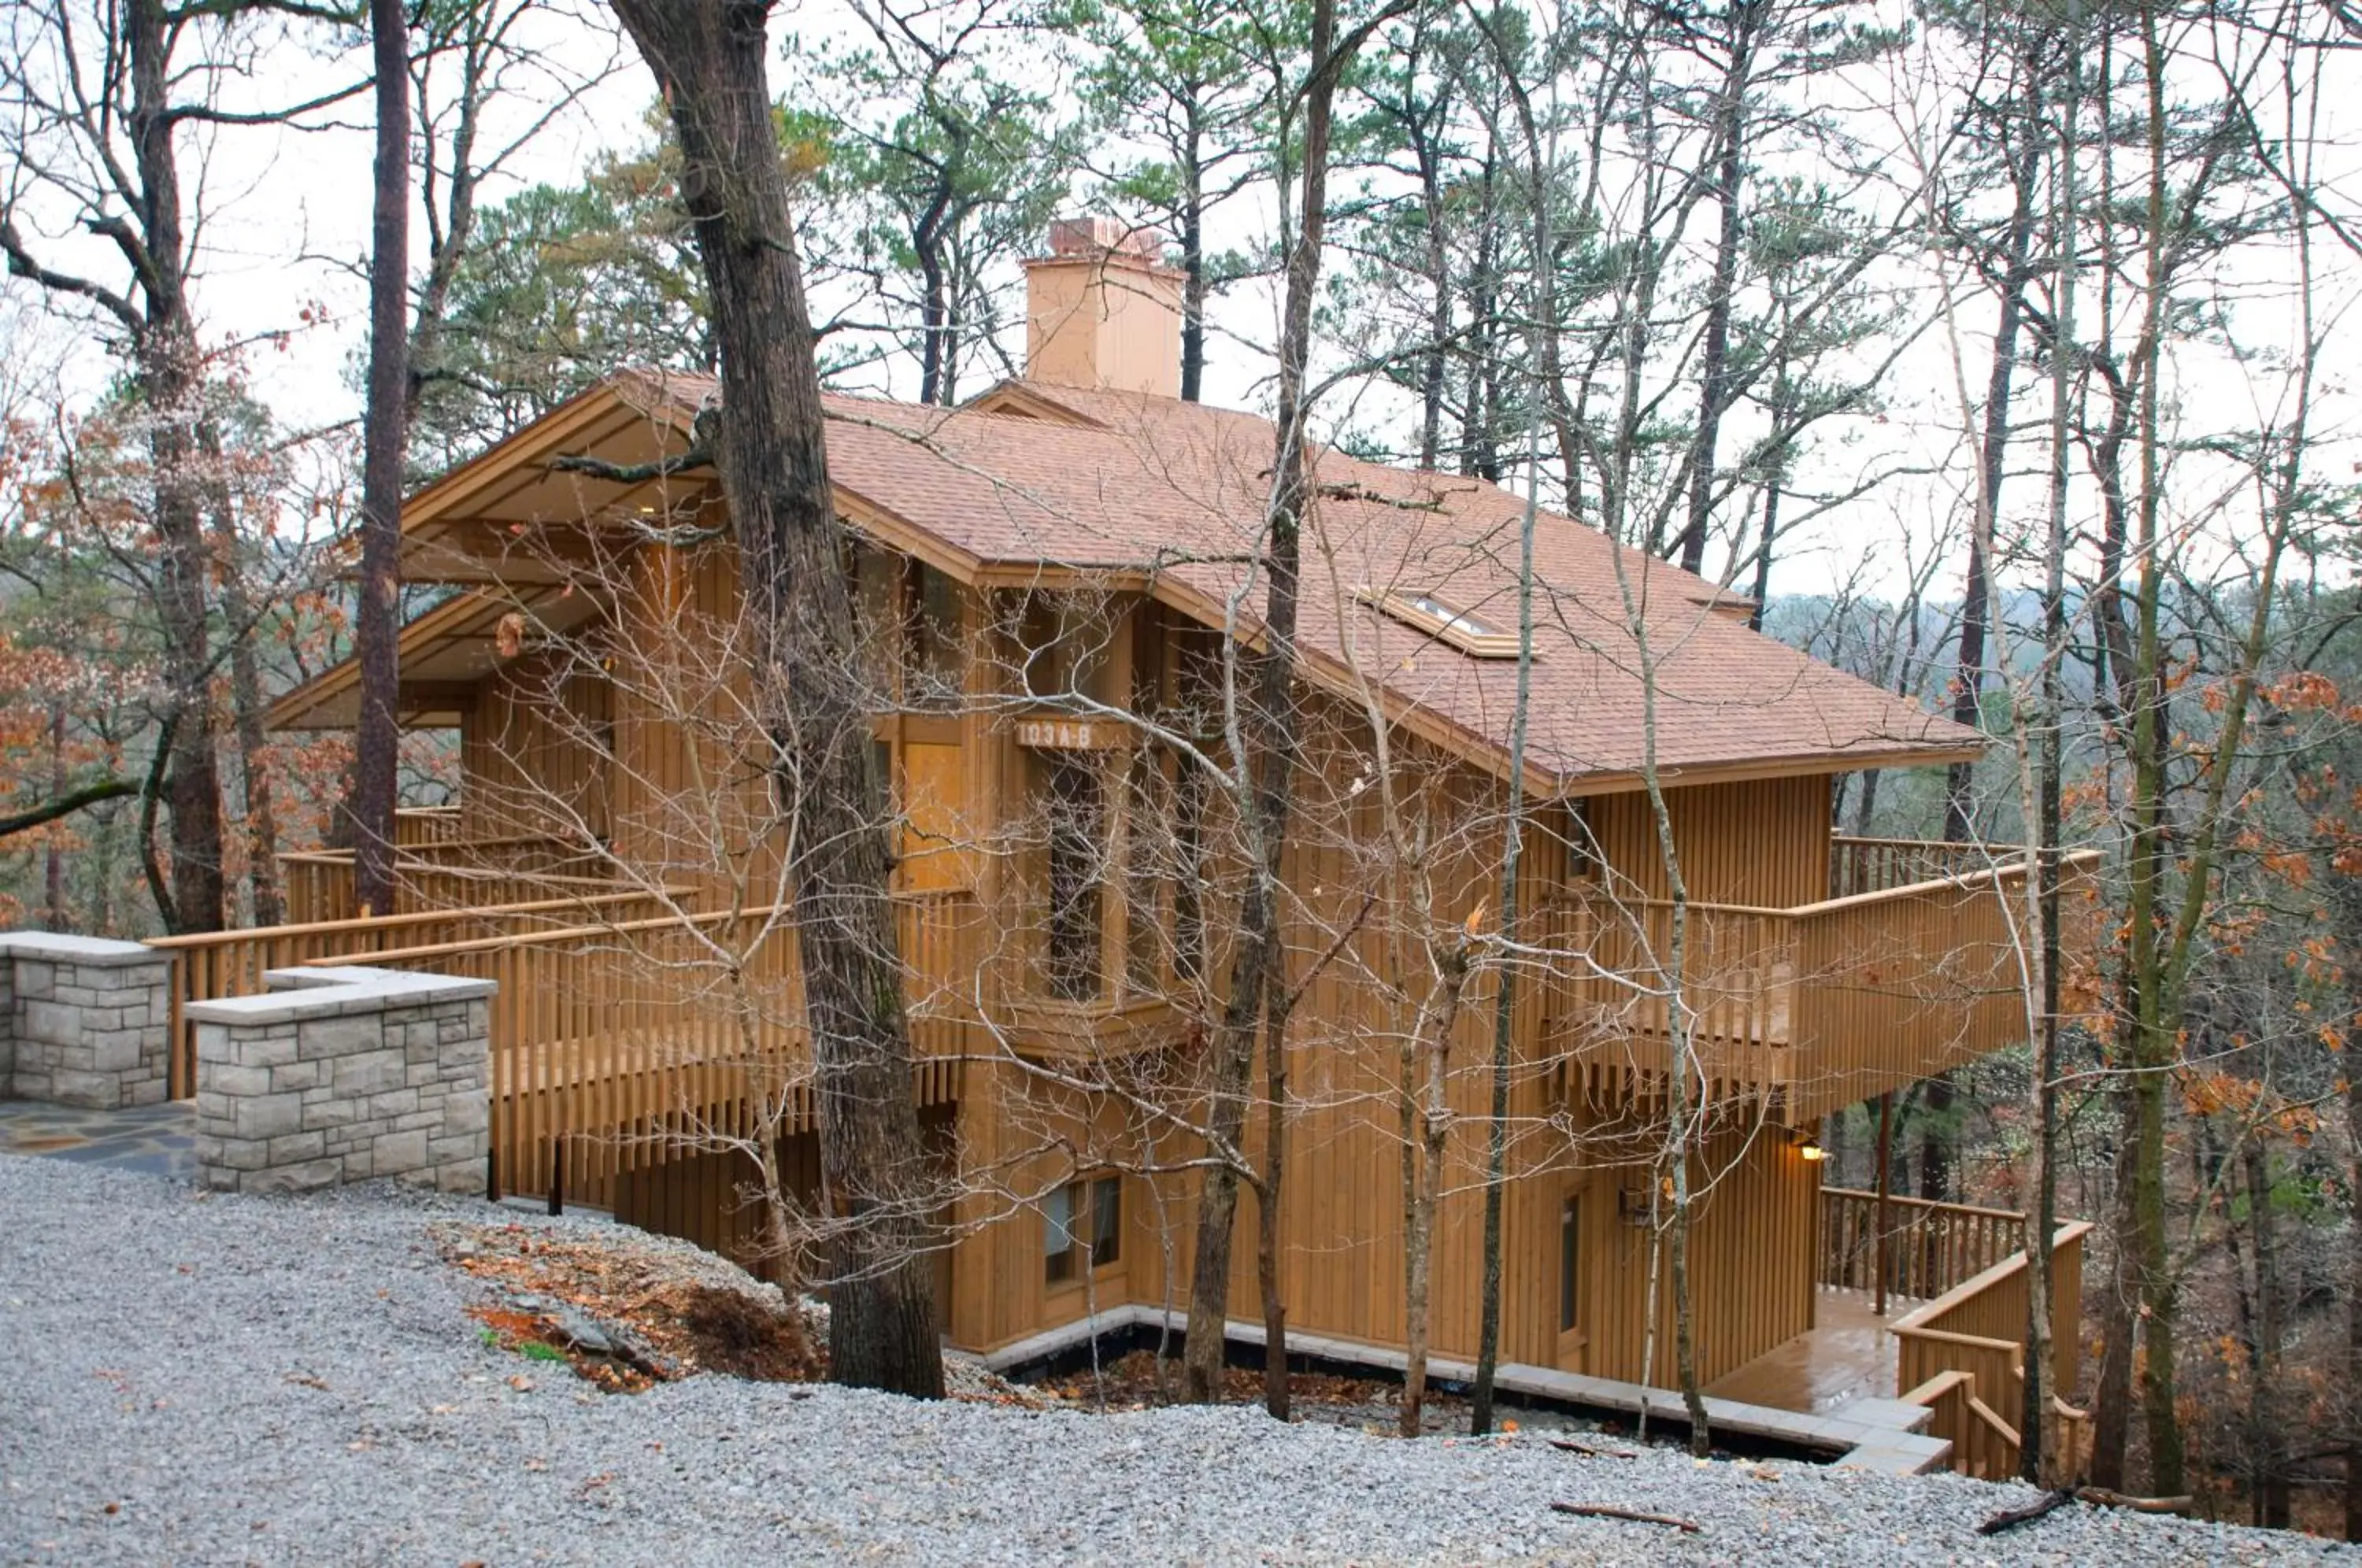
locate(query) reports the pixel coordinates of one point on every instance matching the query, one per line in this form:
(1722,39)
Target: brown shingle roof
(1122,480)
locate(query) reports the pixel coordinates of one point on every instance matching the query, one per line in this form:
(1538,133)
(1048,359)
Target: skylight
(1446,622)
(1460,621)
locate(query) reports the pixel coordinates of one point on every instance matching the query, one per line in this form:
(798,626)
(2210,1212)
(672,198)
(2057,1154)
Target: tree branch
(67,804)
(22,265)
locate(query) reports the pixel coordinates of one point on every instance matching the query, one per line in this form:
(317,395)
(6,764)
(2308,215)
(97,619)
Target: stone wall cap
(64,947)
(296,995)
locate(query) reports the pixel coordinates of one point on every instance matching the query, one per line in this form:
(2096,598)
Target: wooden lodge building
(1045,576)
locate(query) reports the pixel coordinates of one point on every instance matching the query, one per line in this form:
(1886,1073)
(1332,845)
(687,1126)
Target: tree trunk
(1432,357)
(2034,1461)
(2269,1461)
(1193,264)
(707,57)
(2112,1399)
(1441,1017)
(171,377)
(935,303)
(53,859)
(1268,726)
(378,633)
(1684,1309)
(246,699)
(1496,1131)
(2354,1320)
(2149,859)
(151,795)
(1267,1212)
(1480,455)
(1714,363)
(1769,537)
(1968,690)
(1935,1141)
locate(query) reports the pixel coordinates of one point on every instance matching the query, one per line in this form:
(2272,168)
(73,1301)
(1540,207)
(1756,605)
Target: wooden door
(937,846)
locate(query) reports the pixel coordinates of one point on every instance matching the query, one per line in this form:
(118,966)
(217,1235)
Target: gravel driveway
(196,1379)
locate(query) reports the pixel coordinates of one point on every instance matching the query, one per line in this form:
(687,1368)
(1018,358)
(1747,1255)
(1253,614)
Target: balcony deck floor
(1848,1356)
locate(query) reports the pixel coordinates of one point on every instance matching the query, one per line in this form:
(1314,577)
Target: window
(1107,1222)
(1570,1264)
(1199,676)
(1148,851)
(875,591)
(932,666)
(1082,1225)
(1188,873)
(1446,619)
(1062,647)
(1058,1247)
(1582,842)
(1078,831)
(881,769)
(1148,629)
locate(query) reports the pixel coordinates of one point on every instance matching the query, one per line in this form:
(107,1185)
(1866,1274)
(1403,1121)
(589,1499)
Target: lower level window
(1082,1226)
(1570,1264)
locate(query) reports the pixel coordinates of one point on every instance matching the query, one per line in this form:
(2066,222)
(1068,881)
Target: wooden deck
(1849,1355)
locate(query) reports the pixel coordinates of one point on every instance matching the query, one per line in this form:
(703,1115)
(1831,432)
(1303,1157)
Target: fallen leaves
(667,1303)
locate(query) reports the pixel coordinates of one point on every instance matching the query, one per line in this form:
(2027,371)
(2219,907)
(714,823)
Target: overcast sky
(286,217)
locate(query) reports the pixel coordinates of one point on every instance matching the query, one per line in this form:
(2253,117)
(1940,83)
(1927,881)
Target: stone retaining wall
(83,1020)
(344,1075)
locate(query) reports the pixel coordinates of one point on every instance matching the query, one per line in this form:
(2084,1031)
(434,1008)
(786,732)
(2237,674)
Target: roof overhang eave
(1734,770)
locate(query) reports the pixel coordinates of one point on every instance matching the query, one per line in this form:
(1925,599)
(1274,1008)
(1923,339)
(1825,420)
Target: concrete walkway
(1875,1433)
(154,1140)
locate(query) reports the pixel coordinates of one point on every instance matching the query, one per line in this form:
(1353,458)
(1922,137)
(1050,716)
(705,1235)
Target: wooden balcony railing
(619,1045)
(1962,1349)
(1881,865)
(1823,1005)
(426,824)
(443,874)
(1963,1354)
(1930,1247)
(1615,990)
(212,965)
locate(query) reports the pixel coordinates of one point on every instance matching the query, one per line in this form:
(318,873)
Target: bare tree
(97,103)
(1261,736)
(379,628)
(708,58)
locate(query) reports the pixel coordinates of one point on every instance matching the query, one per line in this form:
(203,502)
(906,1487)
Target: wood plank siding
(531,752)
(1764,842)
(645,741)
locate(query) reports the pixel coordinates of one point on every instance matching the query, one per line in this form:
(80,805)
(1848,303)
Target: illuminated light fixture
(1809,1147)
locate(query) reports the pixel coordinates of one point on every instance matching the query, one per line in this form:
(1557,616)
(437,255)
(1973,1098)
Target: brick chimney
(1102,311)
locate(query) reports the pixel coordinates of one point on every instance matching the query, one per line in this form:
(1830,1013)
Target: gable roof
(1032,482)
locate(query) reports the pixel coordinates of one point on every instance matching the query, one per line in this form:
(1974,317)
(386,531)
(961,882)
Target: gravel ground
(201,1379)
